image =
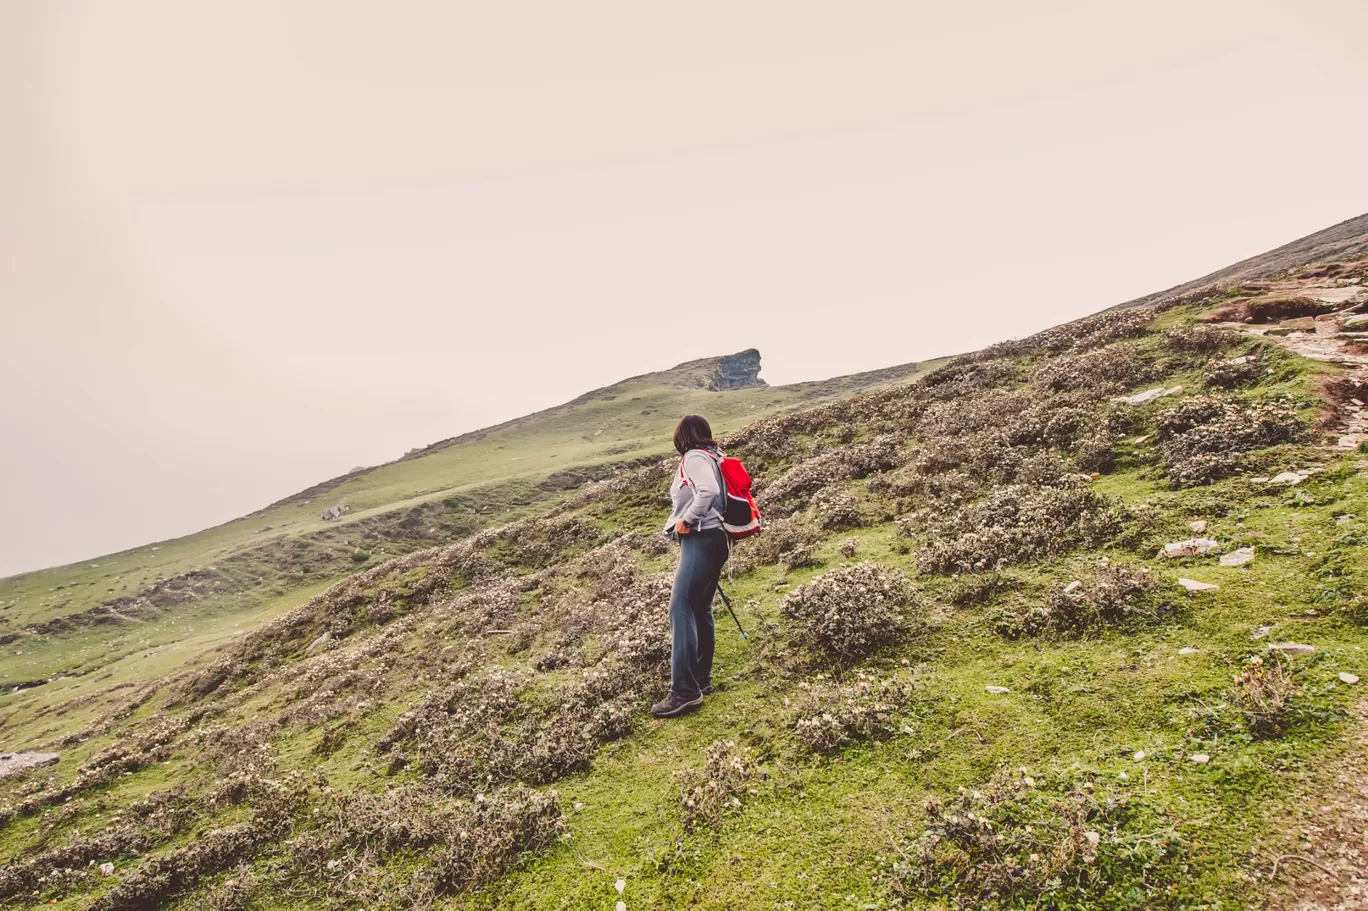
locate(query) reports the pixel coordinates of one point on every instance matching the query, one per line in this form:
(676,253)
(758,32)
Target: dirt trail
(1328,868)
(1338,338)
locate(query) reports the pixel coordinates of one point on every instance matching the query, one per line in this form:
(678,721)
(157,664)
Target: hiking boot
(673,705)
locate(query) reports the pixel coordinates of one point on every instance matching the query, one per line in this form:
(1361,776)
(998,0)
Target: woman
(695,522)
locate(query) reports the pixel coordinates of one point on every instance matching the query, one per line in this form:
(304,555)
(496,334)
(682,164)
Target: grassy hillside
(973,678)
(136,615)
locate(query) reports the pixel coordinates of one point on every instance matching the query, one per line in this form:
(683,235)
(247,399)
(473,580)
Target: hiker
(696,523)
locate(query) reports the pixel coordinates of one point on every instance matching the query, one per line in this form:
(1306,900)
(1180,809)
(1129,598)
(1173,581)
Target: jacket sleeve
(703,478)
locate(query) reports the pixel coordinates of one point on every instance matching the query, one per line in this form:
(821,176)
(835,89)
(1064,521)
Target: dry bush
(1202,437)
(276,806)
(1016,523)
(1199,339)
(978,589)
(1115,595)
(830,714)
(787,542)
(708,795)
(1016,843)
(848,612)
(1226,374)
(1263,691)
(362,851)
(1100,372)
(835,509)
(796,487)
(848,547)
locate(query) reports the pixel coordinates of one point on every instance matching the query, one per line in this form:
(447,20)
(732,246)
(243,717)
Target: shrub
(1015,523)
(467,843)
(974,589)
(834,509)
(1013,843)
(786,542)
(1104,371)
(1264,691)
(1116,595)
(708,795)
(829,714)
(1228,374)
(1202,437)
(848,547)
(848,612)
(1207,340)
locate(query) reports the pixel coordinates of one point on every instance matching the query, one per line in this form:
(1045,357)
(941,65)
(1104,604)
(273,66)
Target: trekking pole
(727,601)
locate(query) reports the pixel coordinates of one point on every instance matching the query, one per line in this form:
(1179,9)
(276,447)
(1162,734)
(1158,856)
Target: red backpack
(740,516)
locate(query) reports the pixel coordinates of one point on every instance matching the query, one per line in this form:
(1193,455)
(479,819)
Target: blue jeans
(701,555)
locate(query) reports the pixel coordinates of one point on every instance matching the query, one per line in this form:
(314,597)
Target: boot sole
(674,713)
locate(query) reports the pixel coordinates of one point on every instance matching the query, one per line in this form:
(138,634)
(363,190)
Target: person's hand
(682,528)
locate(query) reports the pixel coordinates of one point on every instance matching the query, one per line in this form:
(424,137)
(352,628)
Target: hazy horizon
(245,248)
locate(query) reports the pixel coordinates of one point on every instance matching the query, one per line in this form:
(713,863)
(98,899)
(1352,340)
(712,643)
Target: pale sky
(246,246)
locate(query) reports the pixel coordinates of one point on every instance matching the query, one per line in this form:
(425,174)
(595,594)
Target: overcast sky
(246,246)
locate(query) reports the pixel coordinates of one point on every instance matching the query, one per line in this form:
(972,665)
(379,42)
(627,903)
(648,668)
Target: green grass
(814,830)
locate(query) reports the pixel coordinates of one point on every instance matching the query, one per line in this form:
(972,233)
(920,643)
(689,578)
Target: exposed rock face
(737,371)
(17,762)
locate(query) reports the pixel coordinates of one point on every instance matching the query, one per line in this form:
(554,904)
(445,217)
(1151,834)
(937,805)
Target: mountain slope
(142,612)
(973,677)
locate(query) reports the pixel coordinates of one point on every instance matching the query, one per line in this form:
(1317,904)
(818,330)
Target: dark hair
(693,432)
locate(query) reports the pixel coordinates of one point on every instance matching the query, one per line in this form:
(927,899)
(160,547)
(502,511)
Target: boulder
(335,512)
(1292,648)
(1149,395)
(1192,547)
(1193,585)
(11,763)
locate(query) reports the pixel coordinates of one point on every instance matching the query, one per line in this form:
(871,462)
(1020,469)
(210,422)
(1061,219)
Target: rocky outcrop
(737,371)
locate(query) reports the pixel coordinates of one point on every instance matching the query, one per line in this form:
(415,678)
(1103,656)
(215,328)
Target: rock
(1198,525)
(1238,557)
(620,906)
(1292,648)
(1345,519)
(1139,755)
(996,690)
(1193,585)
(1192,547)
(1260,632)
(335,512)
(1072,587)
(10,763)
(318,643)
(1242,359)
(1189,650)
(620,886)
(1149,395)
(1346,677)
(106,869)
(1289,477)
(1199,758)
(1299,324)
(1140,439)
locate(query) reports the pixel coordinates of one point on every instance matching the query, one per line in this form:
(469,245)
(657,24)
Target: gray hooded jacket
(696,502)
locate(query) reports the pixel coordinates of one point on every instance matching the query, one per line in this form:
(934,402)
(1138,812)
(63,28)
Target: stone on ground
(1193,585)
(1238,557)
(1292,648)
(10,763)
